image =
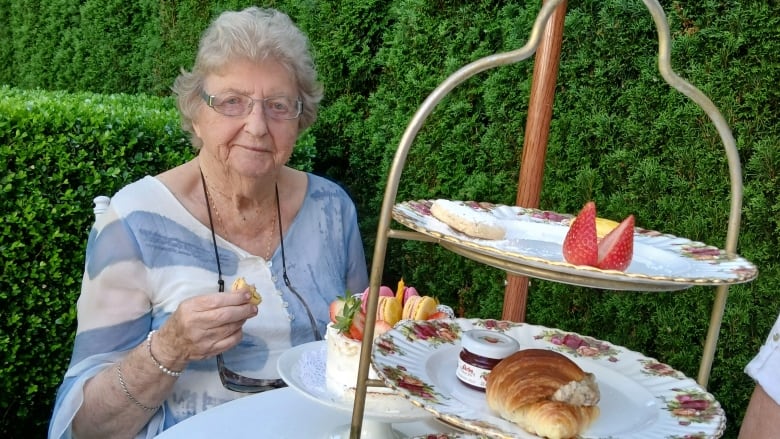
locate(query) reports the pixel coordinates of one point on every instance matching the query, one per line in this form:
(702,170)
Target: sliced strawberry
(438,315)
(380,327)
(617,248)
(336,308)
(344,318)
(580,247)
(357,326)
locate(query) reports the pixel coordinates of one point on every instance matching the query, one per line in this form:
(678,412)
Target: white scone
(467,220)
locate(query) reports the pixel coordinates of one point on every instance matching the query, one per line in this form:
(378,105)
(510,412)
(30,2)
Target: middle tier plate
(533,247)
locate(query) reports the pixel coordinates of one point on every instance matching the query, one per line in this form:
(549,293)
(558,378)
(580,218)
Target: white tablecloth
(286,413)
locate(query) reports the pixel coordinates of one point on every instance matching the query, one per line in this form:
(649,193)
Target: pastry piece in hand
(544,392)
(241,283)
(464,219)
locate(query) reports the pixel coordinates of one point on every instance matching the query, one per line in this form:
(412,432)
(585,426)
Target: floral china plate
(450,436)
(302,367)
(533,244)
(641,398)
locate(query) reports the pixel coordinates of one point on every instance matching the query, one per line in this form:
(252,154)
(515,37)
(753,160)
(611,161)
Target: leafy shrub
(619,135)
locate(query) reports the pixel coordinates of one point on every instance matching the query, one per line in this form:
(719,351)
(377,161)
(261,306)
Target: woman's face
(256,144)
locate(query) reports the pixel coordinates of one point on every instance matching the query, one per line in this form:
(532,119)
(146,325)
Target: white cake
(341,365)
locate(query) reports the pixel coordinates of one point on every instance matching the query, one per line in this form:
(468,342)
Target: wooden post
(535,144)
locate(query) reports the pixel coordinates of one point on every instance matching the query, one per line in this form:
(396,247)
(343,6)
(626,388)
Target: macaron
(242,283)
(383,292)
(419,308)
(410,292)
(388,310)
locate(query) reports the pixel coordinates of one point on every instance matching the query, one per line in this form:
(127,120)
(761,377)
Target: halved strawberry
(349,310)
(617,248)
(357,326)
(580,247)
(336,308)
(380,327)
(438,315)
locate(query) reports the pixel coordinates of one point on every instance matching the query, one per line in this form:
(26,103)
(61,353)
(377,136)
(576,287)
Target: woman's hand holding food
(202,327)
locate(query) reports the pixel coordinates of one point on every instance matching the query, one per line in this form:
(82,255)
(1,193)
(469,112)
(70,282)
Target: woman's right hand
(202,327)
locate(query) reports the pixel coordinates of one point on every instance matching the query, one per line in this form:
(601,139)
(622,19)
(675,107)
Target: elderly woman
(157,340)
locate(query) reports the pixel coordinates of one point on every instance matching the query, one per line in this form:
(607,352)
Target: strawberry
(380,327)
(336,308)
(349,310)
(438,315)
(580,247)
(617,248)
(357,325)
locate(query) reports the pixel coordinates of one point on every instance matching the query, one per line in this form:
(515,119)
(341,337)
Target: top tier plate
(533,247)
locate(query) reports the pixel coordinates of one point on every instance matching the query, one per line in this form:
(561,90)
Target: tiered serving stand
(531,266)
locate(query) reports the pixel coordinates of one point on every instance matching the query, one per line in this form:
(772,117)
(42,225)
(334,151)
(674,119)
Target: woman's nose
(256,123)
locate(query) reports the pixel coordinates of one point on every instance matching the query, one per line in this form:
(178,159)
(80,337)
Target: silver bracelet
(127,392)
(165,370)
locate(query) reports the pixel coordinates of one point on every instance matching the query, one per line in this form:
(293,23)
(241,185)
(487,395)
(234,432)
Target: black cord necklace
(221,282)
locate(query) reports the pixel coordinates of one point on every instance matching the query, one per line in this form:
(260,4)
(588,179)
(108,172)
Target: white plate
(303,368)
(534,239)
(449,436)
(640,397)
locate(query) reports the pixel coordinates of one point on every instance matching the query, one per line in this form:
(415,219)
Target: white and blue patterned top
(147,253)
(764,368)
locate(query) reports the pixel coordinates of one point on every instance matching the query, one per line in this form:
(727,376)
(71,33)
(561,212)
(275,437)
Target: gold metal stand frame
(466,72)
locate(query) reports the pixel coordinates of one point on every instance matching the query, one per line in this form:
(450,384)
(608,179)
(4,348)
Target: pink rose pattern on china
(656,368)
(410,383)
(692,406)
(434,332)
(496,325)
(578,345)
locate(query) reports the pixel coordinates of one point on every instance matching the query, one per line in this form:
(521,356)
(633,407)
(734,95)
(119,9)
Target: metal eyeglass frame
(210,102)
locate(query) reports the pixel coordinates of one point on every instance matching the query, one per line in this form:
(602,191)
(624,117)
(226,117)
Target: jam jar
(481,351)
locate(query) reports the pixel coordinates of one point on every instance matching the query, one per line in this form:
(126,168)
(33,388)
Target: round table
(286,413)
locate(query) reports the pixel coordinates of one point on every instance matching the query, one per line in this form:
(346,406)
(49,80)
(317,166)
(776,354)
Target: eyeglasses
(230,379)
(234,104)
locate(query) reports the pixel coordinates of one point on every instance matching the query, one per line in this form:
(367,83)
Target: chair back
(101,205)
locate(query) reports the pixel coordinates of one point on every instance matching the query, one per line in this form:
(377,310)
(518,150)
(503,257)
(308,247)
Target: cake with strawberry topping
(345,332)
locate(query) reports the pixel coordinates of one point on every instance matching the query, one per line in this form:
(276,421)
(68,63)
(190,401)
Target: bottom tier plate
(641,398)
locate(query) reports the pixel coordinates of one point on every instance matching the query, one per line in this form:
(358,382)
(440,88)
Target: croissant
(544,392)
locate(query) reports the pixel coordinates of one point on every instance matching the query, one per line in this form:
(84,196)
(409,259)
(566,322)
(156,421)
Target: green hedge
(619,136)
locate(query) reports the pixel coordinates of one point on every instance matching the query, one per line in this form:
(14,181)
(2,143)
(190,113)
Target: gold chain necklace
(222,225)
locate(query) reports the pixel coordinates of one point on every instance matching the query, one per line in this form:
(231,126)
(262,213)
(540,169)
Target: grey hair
(257,35)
